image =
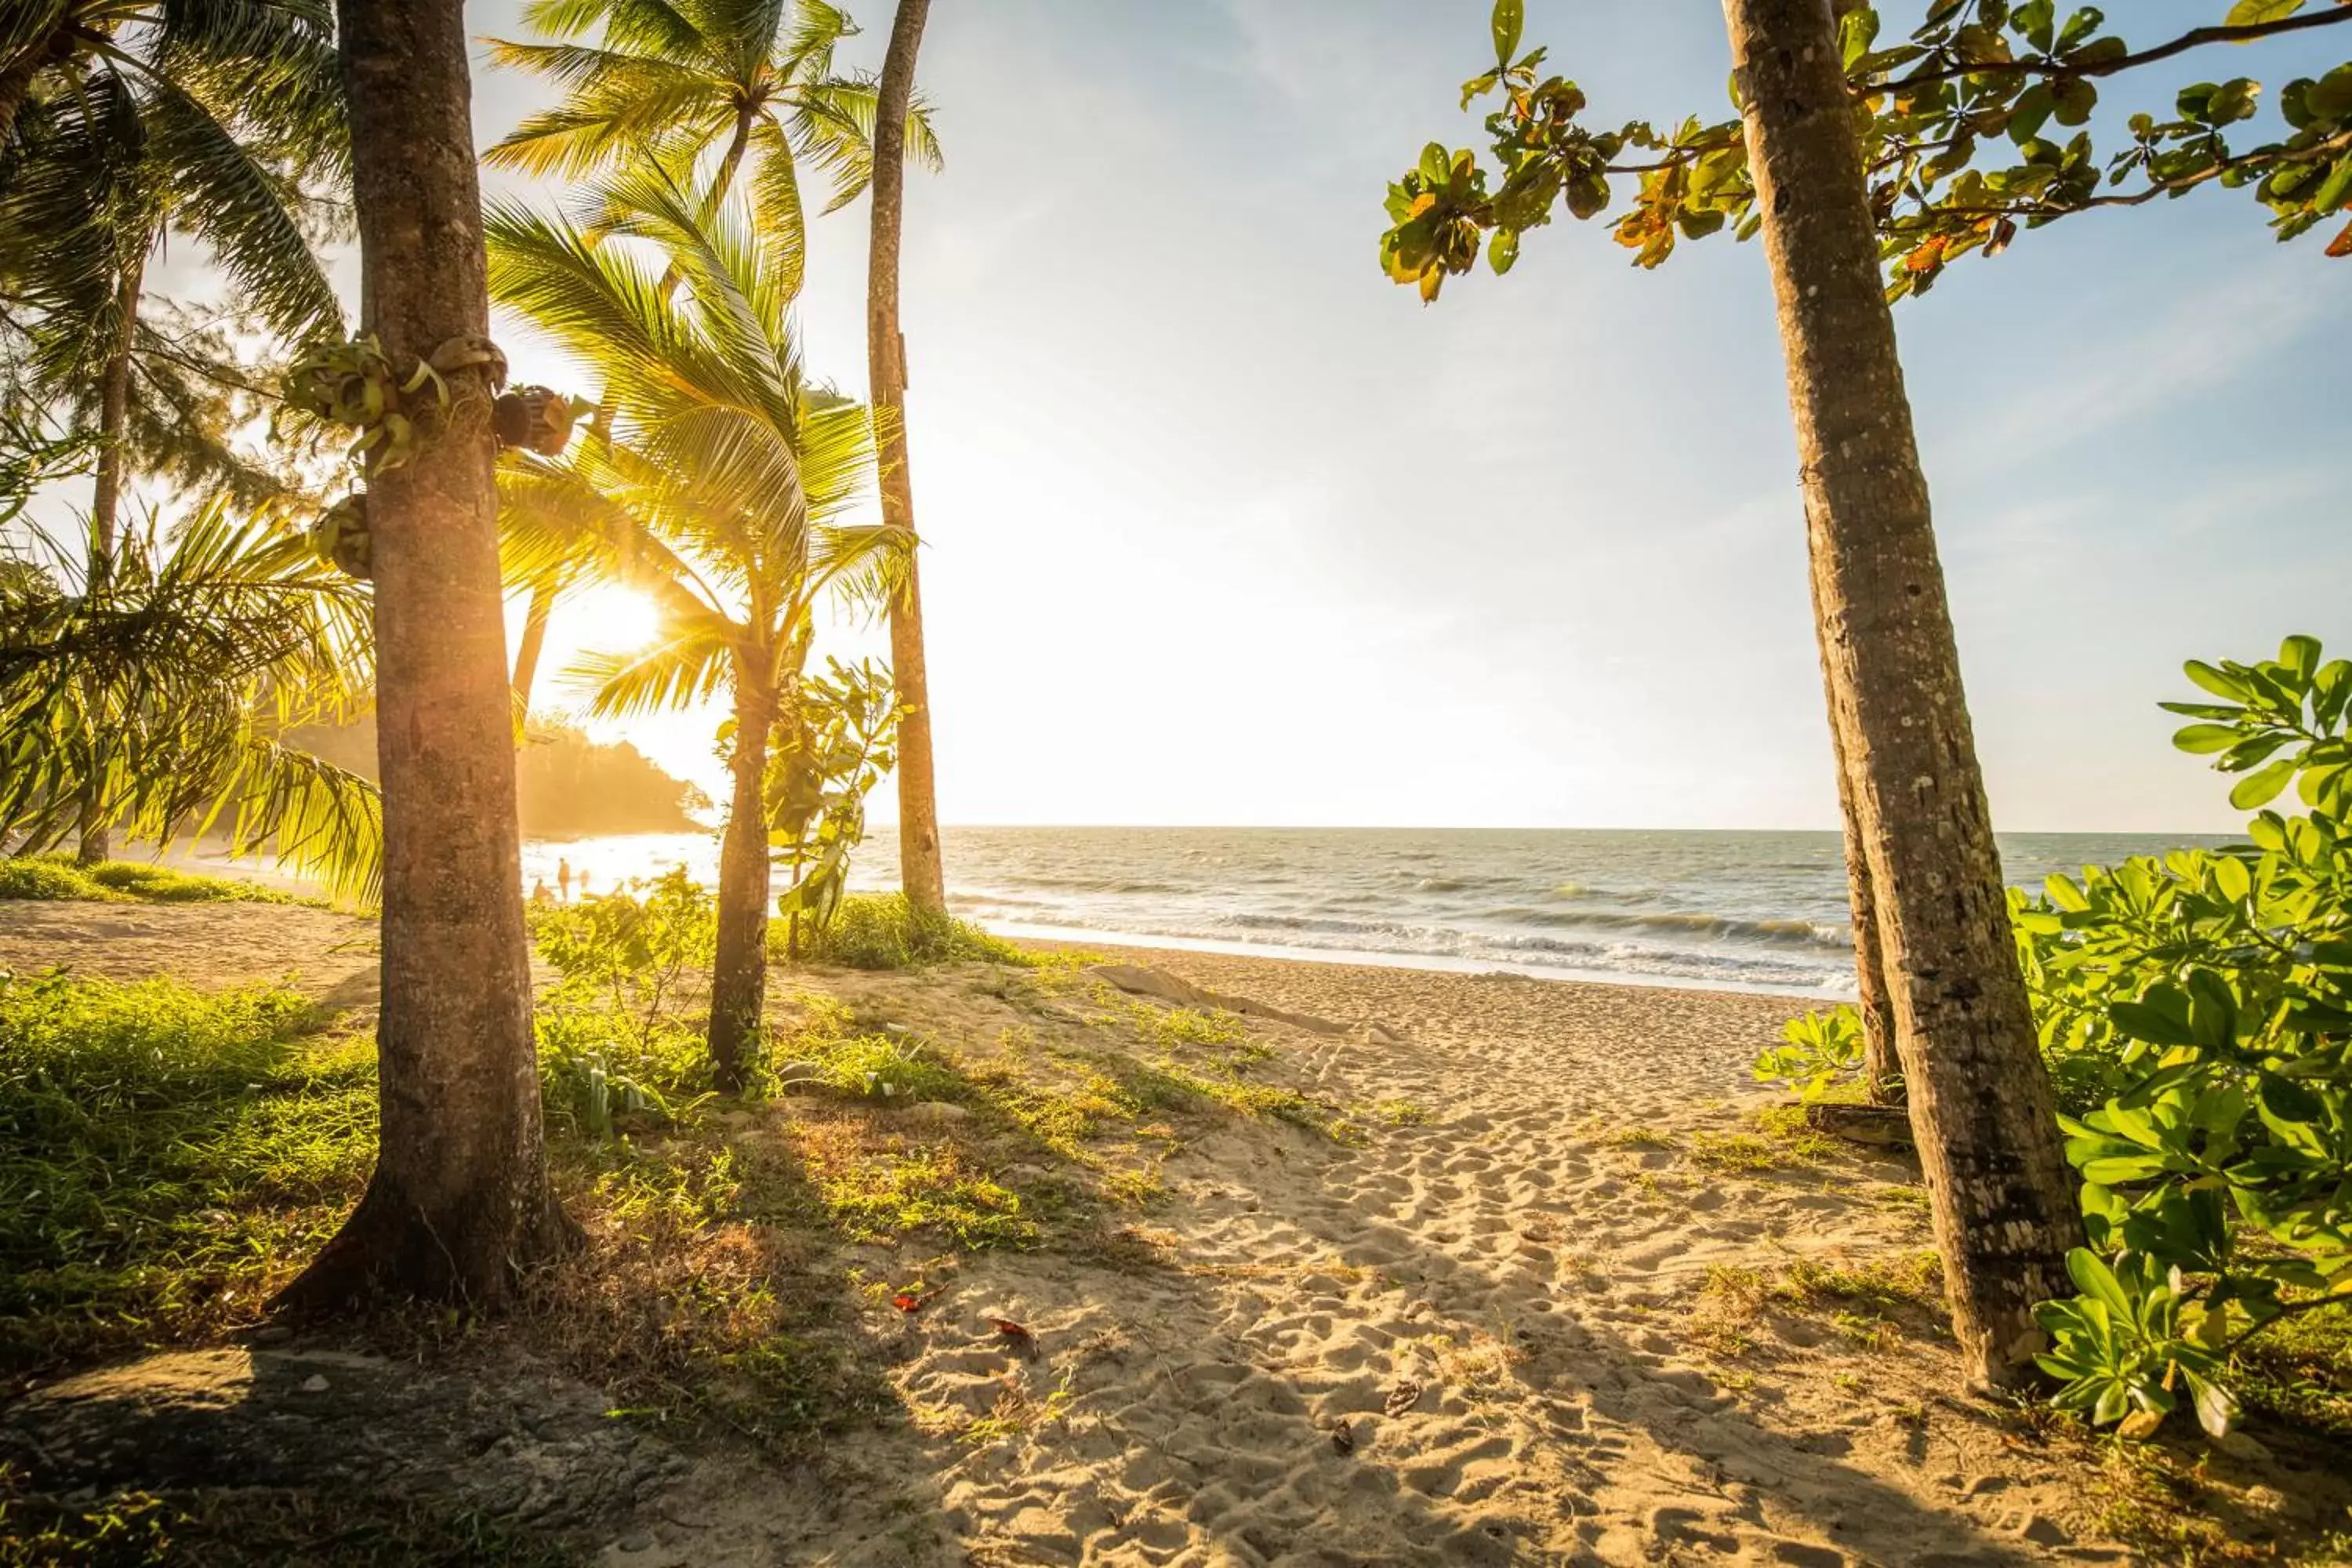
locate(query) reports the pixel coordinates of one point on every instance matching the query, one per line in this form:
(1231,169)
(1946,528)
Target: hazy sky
(1223,527)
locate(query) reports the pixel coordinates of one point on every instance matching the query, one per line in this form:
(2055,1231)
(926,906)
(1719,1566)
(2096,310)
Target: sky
(1222,527)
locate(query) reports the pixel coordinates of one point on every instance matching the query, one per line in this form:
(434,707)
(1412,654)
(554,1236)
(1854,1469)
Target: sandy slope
(1530,1317)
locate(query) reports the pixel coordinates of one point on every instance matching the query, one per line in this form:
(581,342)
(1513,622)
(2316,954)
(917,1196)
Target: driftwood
(1880,1126)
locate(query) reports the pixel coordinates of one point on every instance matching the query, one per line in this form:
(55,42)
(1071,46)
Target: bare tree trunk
(1981,1109)
(921,873)
(739,967)
(106,508)
(459,1201)
(1881,1072)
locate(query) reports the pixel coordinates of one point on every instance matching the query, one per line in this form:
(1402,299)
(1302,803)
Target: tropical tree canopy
(671,80)
(727,484)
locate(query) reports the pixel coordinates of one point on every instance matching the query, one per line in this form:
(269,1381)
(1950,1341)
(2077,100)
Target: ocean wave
(1790,931)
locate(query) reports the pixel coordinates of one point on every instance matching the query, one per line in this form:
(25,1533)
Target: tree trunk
(106,507)
(1882,1073)
(1980,1102)
(739,968)
(459,1201)
(533,643)
(921,874)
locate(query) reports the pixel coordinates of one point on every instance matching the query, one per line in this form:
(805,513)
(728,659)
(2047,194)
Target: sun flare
(615,619)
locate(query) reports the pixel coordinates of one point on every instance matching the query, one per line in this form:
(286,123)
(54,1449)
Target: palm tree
(922,876)
(134,119)
(674,79)
(195,657)
(1980,1099)
(721,492)
(459,1201)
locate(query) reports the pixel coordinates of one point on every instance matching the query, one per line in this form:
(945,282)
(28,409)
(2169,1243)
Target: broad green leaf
(1510,19)
(2254,13)
(2260,788)
(2203,737)
(1503,250)
(2220,683)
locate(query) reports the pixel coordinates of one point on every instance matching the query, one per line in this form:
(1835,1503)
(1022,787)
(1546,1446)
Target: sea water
(1737,910)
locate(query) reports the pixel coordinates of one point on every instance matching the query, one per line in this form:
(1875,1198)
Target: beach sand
(1562,1300)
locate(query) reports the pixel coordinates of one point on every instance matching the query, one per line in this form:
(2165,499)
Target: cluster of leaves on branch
(2203,1004)
(1974,127)
(845,742)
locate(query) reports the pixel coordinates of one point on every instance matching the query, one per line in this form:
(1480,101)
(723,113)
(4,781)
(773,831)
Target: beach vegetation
(844,742)
(1820,1054)
(2201,1006)
(61,876)
(887,930)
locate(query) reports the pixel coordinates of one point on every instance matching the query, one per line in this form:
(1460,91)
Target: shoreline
(1092,938)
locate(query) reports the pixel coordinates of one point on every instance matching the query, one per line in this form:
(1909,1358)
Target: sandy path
(329,954)
(1465,1342)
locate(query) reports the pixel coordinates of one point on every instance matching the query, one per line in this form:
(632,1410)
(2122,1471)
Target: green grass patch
(57,876)
(883,931)
(165,1157)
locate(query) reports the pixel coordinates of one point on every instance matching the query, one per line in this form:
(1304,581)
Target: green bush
(600,1070)
(883,931)
(2198,1013)
(1818,1052)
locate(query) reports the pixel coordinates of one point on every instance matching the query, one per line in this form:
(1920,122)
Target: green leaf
(2330,97)
(2096,1281)
(2254,13)
(2260,788)
(2301,654)
(2218,682)
(2203,737)
(1510,18)
(1503,250)
(2287,1100)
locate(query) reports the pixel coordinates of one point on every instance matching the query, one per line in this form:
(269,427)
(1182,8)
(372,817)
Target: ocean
(1732,910)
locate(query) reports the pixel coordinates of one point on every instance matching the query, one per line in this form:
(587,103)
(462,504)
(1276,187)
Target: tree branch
(2317,152)
(2196,37)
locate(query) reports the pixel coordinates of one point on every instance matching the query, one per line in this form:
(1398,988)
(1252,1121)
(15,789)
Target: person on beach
(564,878)
(584,882)
(538,893)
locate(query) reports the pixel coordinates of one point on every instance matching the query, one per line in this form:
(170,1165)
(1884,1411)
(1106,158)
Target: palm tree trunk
(921,874)
(459,1201)
(1981,1111)
(106,506)
(1882,1073)
(739,968)
(534,643)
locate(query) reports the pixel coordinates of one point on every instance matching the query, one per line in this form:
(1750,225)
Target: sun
(612,619)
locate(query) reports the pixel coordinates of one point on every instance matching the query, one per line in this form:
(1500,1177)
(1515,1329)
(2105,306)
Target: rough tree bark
(1882,1073)
(922,875)
(1979,1097)
(106,506)
(738,966)
(459,1200)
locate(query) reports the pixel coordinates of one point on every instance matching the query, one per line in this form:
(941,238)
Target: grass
(256,1528)
(162,1155)
(55,877)
(883,931)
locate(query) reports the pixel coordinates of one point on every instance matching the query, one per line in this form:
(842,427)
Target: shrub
(2203,1004)
(883,931)
(631,949)
(1819,1052)
(599,1069)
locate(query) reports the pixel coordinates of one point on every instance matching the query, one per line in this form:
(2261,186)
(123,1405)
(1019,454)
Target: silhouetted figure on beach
(564,878)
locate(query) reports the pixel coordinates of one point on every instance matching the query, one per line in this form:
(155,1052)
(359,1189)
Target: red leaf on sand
(1015,1335)
(907,1301)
